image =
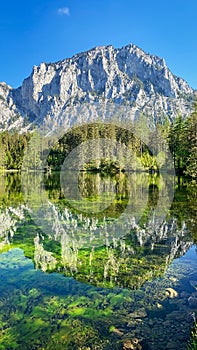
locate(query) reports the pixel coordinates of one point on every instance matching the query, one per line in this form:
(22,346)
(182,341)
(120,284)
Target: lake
(92,261)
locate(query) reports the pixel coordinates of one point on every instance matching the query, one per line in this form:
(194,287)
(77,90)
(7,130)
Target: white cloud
(63,11)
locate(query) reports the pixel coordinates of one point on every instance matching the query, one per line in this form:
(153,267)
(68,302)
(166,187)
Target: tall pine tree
(191,136)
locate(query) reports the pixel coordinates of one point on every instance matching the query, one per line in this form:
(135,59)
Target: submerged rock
(132,344)
(171,292)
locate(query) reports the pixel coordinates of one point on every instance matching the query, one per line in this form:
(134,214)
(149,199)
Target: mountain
(126,76)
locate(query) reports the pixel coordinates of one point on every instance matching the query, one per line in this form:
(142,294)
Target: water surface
(111,265)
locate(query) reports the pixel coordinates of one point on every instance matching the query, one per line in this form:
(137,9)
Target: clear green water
(112,265)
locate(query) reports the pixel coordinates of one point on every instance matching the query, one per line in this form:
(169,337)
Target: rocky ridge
(53,93)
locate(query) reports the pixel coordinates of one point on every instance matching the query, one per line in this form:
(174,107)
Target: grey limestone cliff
(127,76)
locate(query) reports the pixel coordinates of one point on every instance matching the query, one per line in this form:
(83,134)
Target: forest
(180,136)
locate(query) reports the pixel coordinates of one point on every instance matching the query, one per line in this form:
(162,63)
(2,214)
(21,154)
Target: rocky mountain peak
(103,74)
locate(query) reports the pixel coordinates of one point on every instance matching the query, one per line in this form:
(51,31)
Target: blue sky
(38,31)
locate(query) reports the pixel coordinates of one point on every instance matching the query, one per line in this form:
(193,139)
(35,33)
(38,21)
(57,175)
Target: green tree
(2,155)
(191,137)
(32,157)
(178,143)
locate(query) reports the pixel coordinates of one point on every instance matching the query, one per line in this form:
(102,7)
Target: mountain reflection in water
(126,284)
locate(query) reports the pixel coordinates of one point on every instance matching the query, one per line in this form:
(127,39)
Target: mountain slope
(126,76)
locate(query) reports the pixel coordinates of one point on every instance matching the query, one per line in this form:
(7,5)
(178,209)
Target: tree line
(180,136)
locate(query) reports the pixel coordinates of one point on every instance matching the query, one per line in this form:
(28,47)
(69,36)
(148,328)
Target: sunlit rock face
(127,76)
(9,116)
